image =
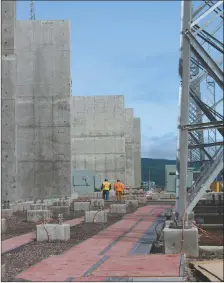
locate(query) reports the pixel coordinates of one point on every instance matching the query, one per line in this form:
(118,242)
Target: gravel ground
(26,256)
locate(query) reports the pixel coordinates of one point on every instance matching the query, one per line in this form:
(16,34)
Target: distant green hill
(156,168)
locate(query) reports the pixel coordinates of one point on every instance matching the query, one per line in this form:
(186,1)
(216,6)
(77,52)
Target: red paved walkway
(79,261)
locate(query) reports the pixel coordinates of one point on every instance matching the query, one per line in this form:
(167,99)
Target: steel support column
(182,146)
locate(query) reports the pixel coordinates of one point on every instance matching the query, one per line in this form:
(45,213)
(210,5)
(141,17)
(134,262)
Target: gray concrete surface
(3,225)
(97,203)
(132,203)
(39,207)
(43,108)
(81,206)
(142,200)
(53,232)
(118,208)
(98,141)
(3,270)
(96,216)
(173,240)
(137,155)
(8,126)
(129,147)
(38,215)
(55,210)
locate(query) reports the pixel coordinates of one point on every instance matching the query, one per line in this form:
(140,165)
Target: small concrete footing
(95,216)
(173,241)
(2,270)
(53,232)
(3,225)
(62,203)
(26,205)
(39,207)
(118,208)
(7,213)
(81,206)
(97,203)
(38,215)
(132,203)
(141,200)
(55,210)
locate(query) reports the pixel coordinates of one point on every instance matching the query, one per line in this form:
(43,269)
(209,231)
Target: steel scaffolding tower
(200,125)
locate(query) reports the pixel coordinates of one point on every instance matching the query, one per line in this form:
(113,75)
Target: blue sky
(128,48)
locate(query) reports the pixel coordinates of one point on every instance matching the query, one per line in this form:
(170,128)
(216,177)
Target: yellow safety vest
(106,186)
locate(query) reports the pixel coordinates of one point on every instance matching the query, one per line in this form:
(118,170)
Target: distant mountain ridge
(156,168)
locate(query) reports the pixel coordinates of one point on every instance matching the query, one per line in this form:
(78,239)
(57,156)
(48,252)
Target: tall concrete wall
(8,158)
(98,136)
(137,137)
(43,108)
(129,147)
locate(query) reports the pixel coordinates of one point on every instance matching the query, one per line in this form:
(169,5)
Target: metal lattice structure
(200,126)
(32,11)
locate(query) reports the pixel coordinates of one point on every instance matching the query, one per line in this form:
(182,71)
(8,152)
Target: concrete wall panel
(137,137)
(43,108)
(8,76)
(8,59)
(129,147)
(8,18)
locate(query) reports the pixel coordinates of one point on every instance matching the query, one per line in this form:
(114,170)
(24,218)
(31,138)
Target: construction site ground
(94,252)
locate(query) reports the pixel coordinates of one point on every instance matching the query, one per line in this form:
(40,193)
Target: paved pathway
(107,255)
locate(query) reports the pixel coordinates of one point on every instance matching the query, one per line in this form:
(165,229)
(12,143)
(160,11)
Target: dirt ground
(26,256)
(214,238)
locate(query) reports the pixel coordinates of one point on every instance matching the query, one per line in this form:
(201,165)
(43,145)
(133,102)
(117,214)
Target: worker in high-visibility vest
(106,187)
(119,189)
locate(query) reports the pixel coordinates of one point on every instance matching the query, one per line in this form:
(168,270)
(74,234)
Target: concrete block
(141,200)
(3,225)
(96,216)
(38,215)
(2,270)
(39,207)
(65,210)
(16,207)
(74,196)
(27,205)
(155,196)
(132,203)
(81,206)
(7,213)
(118,208)
(173,238)
(62,203)
(97,203)
(55,232)
(48,202)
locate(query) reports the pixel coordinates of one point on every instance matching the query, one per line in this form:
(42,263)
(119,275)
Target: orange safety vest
(106,186)
(119,187)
